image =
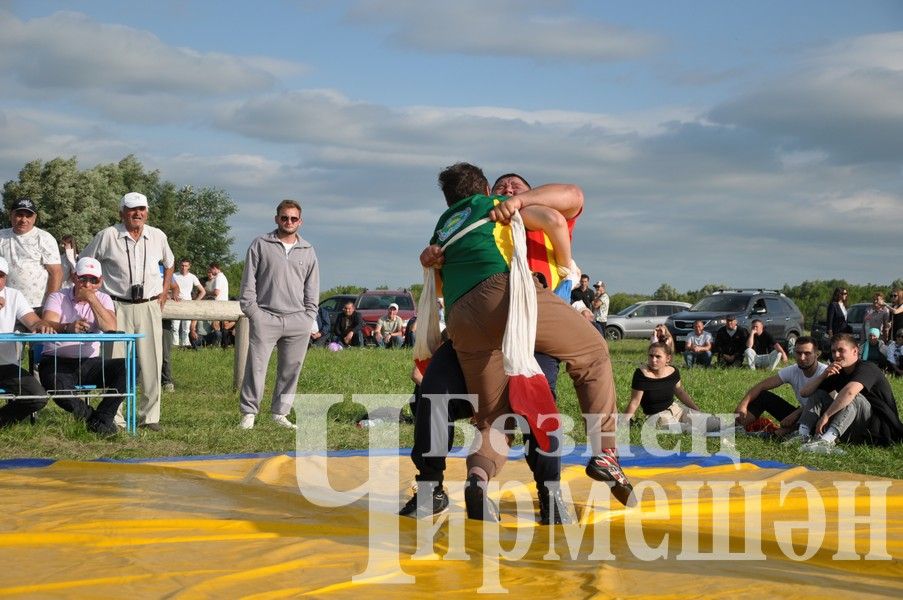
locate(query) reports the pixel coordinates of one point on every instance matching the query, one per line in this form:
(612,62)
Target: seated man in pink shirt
(83,308)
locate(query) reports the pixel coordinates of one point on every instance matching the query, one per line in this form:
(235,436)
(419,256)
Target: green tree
(667,292)
(341,289)
(81,203)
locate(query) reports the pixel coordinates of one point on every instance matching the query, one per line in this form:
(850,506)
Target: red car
(373,304)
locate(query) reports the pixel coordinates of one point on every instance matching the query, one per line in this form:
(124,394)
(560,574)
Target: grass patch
(201,416)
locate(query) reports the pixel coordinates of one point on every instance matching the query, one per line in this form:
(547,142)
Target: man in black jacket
(730,342)
(347,327)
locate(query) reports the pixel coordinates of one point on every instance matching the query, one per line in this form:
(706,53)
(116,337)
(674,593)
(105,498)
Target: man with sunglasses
(69,366)
(280,289)
(131,253)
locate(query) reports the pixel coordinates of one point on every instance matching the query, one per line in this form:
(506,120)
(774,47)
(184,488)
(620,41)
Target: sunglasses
(288,219)
(89,279)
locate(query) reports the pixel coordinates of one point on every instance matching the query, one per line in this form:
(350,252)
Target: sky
(750,143)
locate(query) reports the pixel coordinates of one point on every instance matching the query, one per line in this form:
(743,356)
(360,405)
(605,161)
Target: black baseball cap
(24,204)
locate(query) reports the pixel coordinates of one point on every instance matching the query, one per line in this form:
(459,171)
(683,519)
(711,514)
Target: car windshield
(856,313)
(722,303)
(629,309)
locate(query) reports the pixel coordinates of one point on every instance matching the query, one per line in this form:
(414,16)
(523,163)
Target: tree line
(81,202)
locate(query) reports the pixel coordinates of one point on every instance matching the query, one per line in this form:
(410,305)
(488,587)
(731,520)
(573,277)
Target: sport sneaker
(169,387)
(440,505)
(283,422)
(821,446)
(552,509)
(605,467)
(247,421)
(478,506)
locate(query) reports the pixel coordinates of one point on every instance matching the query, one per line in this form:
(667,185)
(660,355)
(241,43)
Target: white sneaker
(821,446)
(283,422)
(796,438)
(247,421)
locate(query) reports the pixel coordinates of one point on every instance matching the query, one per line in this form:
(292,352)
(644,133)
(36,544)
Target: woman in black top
(654,387)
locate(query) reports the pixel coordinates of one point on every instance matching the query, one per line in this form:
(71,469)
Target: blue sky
(744,143)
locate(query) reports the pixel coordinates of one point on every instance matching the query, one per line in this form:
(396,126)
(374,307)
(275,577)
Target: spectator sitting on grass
(894,354)
(851,401)
(410,332)
(654,387)
(762,352)
(346,329)
(662,335)
(873,349)
(730,342)
(698,346)
(759,399)
(389,329)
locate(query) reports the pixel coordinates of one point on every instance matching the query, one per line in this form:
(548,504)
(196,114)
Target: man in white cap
(130,253)
(83,308)
(389,330)
(280,289)
(600,307)
(13,379)
(32,252)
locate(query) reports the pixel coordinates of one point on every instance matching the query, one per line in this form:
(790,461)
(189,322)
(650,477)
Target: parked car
(372,304)
(855,318)
(640,318)
(781,317)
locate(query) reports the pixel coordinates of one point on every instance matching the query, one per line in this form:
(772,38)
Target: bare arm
(811,387)
(167,280)
(635,397)
(201,291)
(684,397)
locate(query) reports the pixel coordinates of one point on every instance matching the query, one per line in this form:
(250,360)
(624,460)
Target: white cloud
(845,100)
(535,29)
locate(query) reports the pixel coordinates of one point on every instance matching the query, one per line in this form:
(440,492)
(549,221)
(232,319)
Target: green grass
(201,416)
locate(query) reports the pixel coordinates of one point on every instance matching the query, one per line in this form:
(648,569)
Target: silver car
(639,319)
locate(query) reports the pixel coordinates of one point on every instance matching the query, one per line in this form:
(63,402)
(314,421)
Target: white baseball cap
(88,266)
(133,200)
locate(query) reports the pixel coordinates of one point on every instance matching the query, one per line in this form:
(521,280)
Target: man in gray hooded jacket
(280,288)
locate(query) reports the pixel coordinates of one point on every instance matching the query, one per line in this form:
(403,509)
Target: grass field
(201,416)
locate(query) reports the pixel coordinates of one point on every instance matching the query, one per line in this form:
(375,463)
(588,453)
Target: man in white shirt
(698,349)
(130,253)
(13,379)
(217,284)
(758,399)
(600,307)
(32,252)
(185,283)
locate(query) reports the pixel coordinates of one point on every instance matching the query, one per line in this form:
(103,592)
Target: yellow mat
(242,528)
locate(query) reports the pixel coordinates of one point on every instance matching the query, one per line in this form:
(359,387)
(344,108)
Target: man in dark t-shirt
(862,410)
(762,352)
(583,293)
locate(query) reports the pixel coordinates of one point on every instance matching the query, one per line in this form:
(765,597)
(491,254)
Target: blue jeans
(701,358)
(393,341)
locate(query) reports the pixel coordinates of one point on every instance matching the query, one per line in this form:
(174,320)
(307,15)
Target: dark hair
(214,265)
(844,337)
(661,345)
(838,294)
(288,204)
(805,339)
(507,175)
(462,180)
(754,321)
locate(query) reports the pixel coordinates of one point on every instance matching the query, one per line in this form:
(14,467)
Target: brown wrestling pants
(476,325)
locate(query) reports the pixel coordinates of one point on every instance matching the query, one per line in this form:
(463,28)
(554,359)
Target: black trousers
(58,373)
(14,380)
(444,377)
(771,403)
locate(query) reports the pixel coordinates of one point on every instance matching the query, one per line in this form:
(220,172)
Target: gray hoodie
(278,283)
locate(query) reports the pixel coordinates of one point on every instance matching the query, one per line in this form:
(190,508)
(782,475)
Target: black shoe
(478,506)
(103,428)
(151,426)
(440,505)
(81,410)
(552,509)
(605,467)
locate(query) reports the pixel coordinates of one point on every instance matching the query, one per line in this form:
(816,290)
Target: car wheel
(613,333)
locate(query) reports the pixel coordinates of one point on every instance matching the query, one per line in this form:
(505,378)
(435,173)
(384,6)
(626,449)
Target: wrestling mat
(227,527)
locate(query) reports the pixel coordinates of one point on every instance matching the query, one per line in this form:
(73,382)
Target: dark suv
(781,317)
